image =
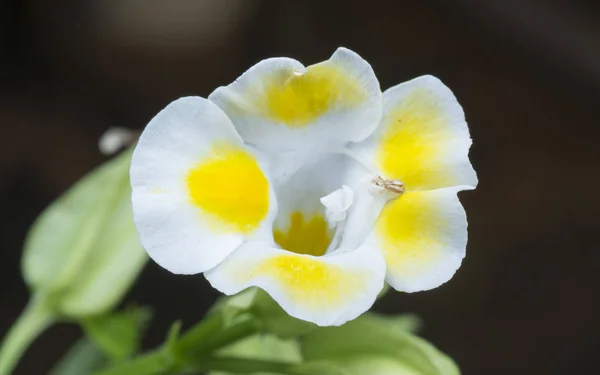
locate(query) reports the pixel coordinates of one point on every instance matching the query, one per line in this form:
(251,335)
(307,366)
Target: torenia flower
(309,183)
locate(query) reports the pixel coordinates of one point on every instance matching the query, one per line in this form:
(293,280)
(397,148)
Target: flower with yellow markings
(309,183)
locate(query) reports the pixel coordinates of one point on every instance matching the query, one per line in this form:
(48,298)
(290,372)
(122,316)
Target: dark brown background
(527,73)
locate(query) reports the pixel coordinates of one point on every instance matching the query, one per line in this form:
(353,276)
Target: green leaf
(374,336)
(273,319)
(118,334)
(83,251)
(356,365)
(323,368)
(83,358)
(405,322)
(171,345)
(230,308)
(264,347)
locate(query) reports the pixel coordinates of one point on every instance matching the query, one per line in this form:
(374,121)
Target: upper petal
(279,104)
(422,236)
(198,192)
(423,139)
(328,290)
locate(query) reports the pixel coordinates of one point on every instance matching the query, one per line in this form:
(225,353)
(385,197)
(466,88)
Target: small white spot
(114,139)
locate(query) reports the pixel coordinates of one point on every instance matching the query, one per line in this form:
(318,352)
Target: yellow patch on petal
(408,227)
(230,187)
(311,281)
(297,100)
(415,141)
(304,236)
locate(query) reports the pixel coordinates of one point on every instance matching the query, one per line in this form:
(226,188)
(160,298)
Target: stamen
(337,205)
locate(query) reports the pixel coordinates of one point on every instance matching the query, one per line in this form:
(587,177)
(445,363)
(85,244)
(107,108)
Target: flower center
(305,234)
(330,202)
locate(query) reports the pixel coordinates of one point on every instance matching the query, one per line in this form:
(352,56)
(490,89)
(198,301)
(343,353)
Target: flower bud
(83,252)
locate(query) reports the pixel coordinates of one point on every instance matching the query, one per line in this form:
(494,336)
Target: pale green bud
(83,253)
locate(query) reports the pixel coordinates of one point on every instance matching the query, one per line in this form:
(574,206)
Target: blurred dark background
(526,72)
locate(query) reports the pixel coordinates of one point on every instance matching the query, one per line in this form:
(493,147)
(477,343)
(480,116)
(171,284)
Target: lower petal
(422,236)
(328,290)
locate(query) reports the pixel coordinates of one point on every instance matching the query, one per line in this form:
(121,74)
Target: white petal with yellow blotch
(198,192)
(422,236)
(423,139)
(327,290)
(279,104)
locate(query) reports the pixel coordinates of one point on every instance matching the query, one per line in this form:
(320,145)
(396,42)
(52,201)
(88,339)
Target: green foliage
(117,334)
(272,318)
(322,368)
(376,339)
(83,252)
(83,358)
(359,365)
(372,344)
(275,320)
(403,323)
(262,347)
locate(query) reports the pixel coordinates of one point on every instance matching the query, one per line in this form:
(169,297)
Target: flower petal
(329,103)
(198,192)
(422,236)
(328,290)
(423,139)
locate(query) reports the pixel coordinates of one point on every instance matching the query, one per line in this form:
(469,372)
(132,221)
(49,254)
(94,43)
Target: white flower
(309,183)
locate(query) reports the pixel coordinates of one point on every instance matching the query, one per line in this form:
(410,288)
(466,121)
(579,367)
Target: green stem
(200,340)
(155,362)
(219,340)
(201,332)
(33,321)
